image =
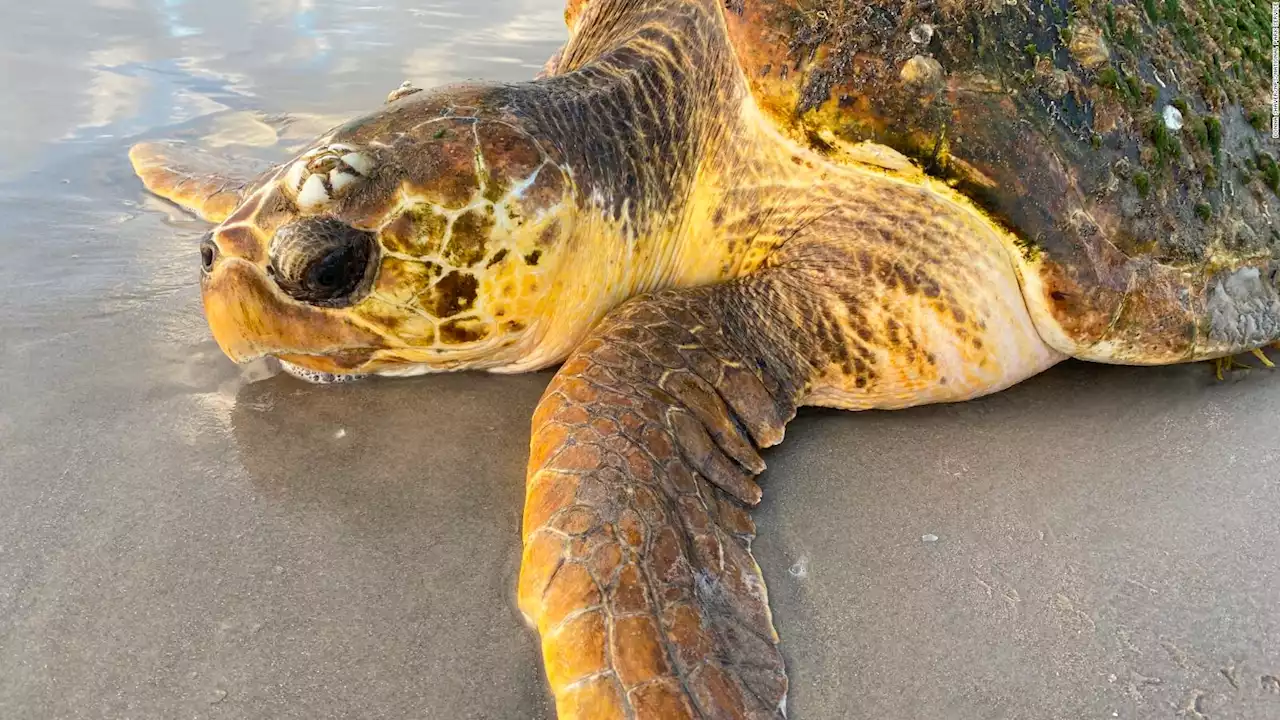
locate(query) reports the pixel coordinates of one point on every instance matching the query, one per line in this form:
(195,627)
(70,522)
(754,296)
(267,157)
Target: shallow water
(180,537)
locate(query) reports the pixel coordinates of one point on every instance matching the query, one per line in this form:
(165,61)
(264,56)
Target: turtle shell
(1128,146)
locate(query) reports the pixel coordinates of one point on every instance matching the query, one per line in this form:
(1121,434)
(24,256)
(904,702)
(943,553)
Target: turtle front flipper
(637,569)
(206,184)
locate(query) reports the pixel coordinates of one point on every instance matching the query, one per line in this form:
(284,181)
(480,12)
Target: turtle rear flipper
(206,184)
(1110,307)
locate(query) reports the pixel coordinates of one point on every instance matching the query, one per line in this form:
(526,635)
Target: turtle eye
(334,274)
(322,261)
(208,252)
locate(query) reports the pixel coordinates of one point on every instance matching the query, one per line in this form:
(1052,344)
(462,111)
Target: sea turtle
(713,213)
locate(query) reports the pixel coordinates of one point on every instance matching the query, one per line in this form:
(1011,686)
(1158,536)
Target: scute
(453,294)
(467,237)
(419,231)
(1051,118)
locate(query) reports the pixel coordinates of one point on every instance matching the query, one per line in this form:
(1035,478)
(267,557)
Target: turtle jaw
(295,368)
(249,320)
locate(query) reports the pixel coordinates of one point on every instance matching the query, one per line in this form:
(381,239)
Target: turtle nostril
(208,253)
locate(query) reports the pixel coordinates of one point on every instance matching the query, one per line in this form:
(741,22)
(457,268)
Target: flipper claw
(1224,365)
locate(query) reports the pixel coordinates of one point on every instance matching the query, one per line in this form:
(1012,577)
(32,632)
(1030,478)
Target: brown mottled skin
(660,212)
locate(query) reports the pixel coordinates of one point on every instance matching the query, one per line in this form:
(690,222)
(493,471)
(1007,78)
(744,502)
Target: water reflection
(112,68)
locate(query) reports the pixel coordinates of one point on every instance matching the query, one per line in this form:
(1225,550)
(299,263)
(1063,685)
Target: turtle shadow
(382,454)
(398,505)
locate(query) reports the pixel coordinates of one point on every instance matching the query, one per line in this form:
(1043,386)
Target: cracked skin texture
(706,247)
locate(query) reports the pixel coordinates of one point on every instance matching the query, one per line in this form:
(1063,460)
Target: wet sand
(181,537)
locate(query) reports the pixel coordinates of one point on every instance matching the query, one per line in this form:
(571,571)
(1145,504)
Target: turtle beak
(251,318)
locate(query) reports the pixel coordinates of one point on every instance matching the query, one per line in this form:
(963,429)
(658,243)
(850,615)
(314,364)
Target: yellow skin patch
(921,281)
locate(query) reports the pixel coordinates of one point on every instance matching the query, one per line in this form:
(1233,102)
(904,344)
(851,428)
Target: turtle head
(420,238)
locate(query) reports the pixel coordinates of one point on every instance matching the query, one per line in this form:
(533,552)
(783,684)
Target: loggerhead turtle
(716,212)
